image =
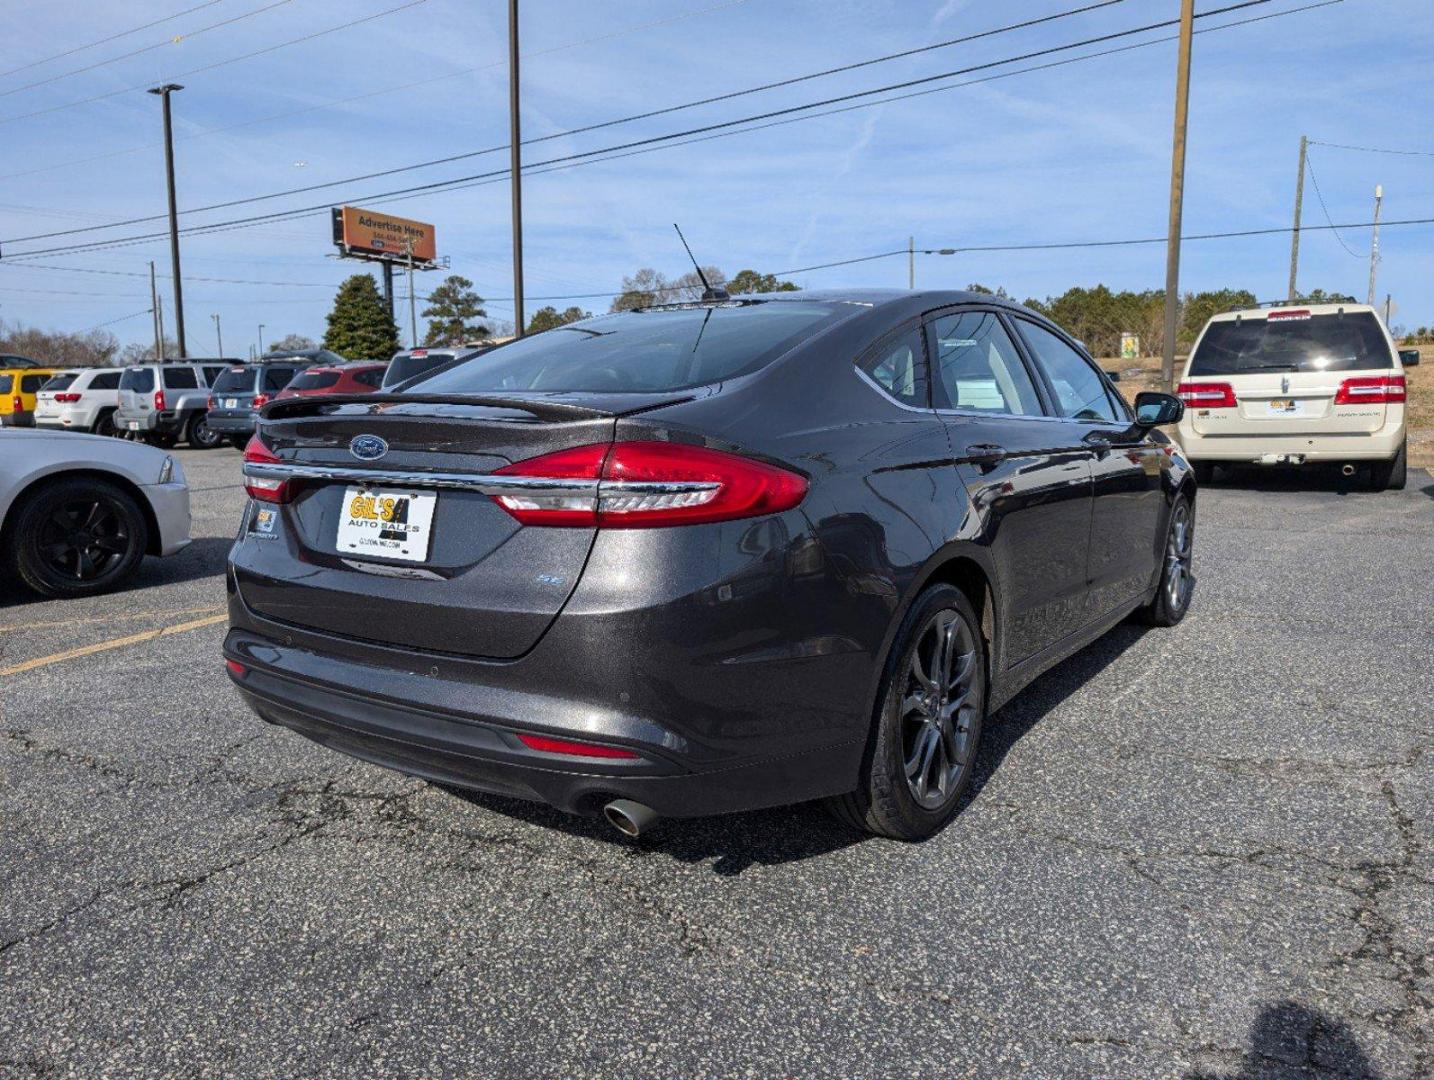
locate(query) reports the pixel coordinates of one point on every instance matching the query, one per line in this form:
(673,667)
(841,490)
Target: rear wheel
(199,434)
(928,722)
(1391,475)
(1172,596)
(238,441)
(105,424)
(76,537)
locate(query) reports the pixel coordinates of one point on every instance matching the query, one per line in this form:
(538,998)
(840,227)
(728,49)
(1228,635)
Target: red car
(361,377)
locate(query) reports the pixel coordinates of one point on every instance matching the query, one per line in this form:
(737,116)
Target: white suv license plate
(134,425)
(387,523)
(1285,407)
(231,403)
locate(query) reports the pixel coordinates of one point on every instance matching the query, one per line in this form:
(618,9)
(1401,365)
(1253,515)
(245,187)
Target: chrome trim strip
(488,484)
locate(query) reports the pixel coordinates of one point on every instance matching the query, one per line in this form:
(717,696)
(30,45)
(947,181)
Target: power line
(122,318)
(1314,180)
(107,40)
(216,64)
(147,48)
(658,112)
(634,28)
(1373,149)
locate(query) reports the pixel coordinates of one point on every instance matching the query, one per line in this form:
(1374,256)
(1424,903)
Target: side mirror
(1113,376)
(1155,409)
(1409,357)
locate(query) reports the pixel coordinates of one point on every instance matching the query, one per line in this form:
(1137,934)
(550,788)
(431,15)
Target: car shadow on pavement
(201,559)
(735,842)
(1288,1039)
(1320,478)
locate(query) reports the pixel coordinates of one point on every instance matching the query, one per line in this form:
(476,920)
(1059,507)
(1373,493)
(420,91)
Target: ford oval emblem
(367,447)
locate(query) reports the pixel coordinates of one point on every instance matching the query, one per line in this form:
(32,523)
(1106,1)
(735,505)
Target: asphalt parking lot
(1203,852)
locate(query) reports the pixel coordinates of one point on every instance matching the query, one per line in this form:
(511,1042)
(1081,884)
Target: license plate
(387,523)
(1285,407)
(134,425)
(231,403)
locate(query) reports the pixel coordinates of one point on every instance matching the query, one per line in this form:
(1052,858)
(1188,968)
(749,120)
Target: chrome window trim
(486,483)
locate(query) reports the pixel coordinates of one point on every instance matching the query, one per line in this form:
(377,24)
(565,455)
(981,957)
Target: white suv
(1290,385)
(83,400)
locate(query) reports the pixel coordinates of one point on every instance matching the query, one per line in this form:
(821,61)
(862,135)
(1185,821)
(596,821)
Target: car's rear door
(1128,511)
(1027,473)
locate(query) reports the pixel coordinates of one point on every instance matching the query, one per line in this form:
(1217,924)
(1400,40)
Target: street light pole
(911,262)
(154,310)
(1177,195)
(515,165)
(219,334)
(261,339)
(164,92)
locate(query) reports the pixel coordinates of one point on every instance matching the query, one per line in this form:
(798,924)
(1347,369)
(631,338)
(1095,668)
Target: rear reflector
(236,669)
(639,485)
(1371,390)
(574,749)
(1207,395)
(263,488)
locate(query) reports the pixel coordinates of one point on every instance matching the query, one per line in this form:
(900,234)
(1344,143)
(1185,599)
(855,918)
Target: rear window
(59,382)
(6,381)
(401,368)
(29,384)
(140,380)
(314,380)
(235,381)
(180,378)
(1292,342)
(105,380)
(656,350)
(276,378)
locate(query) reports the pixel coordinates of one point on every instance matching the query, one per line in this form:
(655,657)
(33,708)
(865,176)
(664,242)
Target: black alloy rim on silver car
(939,708)
(1178,549)
(84,539)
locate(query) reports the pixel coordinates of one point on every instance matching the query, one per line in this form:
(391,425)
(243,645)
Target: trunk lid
(478,584)
(1290,403)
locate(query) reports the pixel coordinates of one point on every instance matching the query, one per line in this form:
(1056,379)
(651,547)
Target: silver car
(79,512)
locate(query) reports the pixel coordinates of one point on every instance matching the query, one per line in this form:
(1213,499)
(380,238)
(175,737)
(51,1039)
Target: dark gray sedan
(707,557)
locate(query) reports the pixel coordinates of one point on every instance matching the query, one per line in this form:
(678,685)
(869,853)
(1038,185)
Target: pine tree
(360,325)
(545,318)
(451,309)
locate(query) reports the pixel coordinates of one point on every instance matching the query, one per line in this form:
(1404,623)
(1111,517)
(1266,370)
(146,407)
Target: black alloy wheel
(1177,581)
(76,537)
(200,436)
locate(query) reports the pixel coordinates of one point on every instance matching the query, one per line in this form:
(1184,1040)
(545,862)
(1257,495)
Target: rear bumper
(1313,447)
(163,423)
(228,423)
(65,419)
(17,419)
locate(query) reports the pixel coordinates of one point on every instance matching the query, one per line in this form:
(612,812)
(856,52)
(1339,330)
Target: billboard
(374,235)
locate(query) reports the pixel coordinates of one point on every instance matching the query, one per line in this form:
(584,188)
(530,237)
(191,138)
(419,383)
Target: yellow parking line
(107,617)
(113,643)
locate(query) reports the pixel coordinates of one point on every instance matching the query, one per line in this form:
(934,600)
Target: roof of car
(929,298)
(1285,310)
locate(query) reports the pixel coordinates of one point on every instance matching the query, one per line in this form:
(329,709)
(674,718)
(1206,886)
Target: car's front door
(1129,506)
(1027,474)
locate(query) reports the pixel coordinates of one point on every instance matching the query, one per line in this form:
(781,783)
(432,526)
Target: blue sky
(1076,152)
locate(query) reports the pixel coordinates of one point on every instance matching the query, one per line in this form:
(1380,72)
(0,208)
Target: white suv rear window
(1292,341)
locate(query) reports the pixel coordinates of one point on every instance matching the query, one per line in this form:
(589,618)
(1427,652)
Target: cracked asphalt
(1204,853)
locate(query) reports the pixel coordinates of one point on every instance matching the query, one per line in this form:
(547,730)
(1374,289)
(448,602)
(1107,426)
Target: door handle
(985,452)
(1097,442)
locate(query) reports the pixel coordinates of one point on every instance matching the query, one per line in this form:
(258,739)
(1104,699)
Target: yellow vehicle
(17,393)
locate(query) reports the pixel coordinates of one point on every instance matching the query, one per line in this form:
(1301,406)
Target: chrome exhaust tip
(1347,469)
(628,817)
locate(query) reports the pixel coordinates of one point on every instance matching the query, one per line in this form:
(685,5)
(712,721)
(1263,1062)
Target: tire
(105,425)
(238,441)
(1177,583)
(198,434)
(1393,474)
(930,720)
(75,537)
(1204,472)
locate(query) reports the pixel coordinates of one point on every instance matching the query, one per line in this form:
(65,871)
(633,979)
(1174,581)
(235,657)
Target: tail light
(68,399)
(263,488)
(159,401)
(1207,395)
(1371,390)
(639,485)
(573,748)
(17,403)
(236,669)
(260,400)
(210,403)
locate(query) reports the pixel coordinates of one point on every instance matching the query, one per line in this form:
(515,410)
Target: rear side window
(211,373)
(59,382)
(372,377)
(1292,341)
(105,380)
(276,377)
(898,366)
(6,382)
(29,384)
(402,368)
(978,367)
(235,381)
(660,349)
(314,380)
(1079,388)
(180,378)
(140,380)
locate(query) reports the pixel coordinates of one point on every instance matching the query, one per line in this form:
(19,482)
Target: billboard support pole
(515,155)
(388,285)
(412,300)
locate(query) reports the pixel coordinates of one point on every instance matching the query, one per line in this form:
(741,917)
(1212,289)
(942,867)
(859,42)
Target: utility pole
(164,92)
(1374,242)
(159,318)
(911,262)
(413,300)
(1177,195)
(219,334)
(1293,292)
(261,339)
(515,165)
(154,311)
(1388,305)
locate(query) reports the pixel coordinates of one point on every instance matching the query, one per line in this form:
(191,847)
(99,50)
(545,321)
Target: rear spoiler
(541,409)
